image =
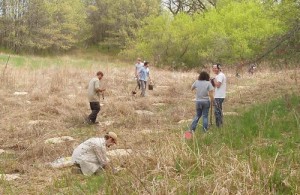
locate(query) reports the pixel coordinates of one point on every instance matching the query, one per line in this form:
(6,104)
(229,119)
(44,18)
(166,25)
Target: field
(256,152)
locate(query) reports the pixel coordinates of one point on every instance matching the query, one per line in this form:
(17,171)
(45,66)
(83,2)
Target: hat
(112,135)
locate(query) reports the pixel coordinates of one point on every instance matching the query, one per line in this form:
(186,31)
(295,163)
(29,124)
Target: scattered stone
(161,86)
(230,113)
(185,121)
(243,87)
(106,123)
(20,93)
(119,152)
(71,96)
(148,131)
(158,104)
(57,140)
(62,162)
(146,112)
(5,152)
(35,122)
(9,177)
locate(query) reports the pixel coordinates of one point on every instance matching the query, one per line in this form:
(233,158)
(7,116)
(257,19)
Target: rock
(5,152)
(148,131)
(146,112)
(35,122)
(101,104)
(10,177)
(106,123)
(158,104)
(71,96)
(20,93)
(185,121)
(57,140)
(119,152)
(160,86)
(230,113)
(62,162)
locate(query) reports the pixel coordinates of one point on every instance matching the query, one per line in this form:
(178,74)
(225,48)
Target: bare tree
(188,6)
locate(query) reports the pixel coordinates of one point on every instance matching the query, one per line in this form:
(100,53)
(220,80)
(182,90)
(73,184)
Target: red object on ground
(188,135)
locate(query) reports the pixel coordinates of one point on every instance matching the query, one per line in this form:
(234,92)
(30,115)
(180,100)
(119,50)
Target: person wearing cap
(90,156)
(94,97)
(220,93)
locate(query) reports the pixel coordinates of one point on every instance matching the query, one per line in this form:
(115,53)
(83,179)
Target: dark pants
(138,83)
(95,107)
(219,111)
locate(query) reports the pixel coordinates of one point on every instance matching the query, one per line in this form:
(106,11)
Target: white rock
(158,104)
(5,152)
(34,122)
(57,140)
(185,121)
(161,86)
(106,123)
(146,112)
(9,177)
(230,113)
(119,152)
(28,102)
(62,162)
(20,93)
(148,131)
(71,96)
(101,104)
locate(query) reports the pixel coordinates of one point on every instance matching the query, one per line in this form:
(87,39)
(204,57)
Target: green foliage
(43,25)
(233,32)
(113,22)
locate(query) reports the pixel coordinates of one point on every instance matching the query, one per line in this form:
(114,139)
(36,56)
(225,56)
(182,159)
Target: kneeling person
(91,154)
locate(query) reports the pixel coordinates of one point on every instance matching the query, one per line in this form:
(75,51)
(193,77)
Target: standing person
(144,74)
(90,156)
(94,97)
(138,66)
(204,97)
(220,93)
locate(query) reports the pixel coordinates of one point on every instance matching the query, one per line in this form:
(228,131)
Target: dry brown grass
(57,97)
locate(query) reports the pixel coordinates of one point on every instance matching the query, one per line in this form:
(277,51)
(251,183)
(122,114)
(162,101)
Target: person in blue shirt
(144,75)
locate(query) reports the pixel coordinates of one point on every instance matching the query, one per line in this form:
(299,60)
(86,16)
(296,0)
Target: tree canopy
(178,33)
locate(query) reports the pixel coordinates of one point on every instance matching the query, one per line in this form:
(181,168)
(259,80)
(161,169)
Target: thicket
(177,33)
(233,32)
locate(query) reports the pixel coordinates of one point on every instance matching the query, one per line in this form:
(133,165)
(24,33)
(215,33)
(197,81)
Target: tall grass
(254,153)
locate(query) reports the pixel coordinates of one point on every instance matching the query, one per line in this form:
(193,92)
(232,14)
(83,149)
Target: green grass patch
(77,184)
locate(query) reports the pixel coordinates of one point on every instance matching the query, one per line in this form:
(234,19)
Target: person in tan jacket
(90,156)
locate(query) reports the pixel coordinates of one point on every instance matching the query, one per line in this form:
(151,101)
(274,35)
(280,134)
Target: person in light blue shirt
(204,97)
(144,75)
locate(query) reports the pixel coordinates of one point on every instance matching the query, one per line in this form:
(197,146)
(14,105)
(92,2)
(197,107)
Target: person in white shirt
(90,156)
(220,93)
(138,66)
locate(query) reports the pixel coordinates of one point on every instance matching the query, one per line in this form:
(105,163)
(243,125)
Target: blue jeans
(143,85)
(202,108)
(218,111)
